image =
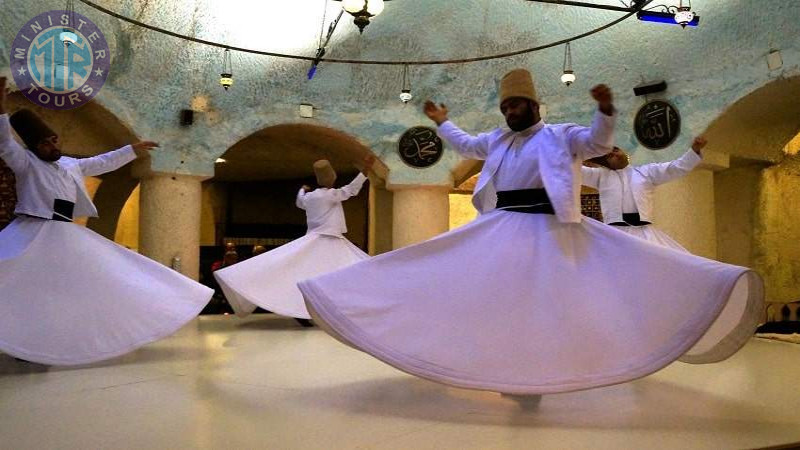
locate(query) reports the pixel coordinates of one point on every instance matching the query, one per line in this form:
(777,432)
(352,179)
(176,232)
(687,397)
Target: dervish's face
(49,149)
(617,159)
(520,113)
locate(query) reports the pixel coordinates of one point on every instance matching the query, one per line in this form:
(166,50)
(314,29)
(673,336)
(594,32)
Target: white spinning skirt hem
(523,304)
(652,234)
(70,296)
(270,280)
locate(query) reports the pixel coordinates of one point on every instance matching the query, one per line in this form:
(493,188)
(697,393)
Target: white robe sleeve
(591,176)
(107,162)
(660,173)
(300,201)
(351,190)
(14,155)
(468,146)
(597,140)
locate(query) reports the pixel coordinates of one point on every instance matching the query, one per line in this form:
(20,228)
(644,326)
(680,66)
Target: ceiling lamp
(672,15)
(226,77)
(568,77)
(68,35)
(362,11)
(684,15)
(405,91)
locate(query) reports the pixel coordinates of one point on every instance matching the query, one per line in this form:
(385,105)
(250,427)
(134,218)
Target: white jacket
(35,195)
(612,184)
(323,207)
(563,148)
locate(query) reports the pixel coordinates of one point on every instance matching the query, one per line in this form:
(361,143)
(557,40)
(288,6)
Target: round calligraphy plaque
(420,147)
(657,124)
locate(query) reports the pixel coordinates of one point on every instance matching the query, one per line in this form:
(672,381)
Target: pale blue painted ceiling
(154,76)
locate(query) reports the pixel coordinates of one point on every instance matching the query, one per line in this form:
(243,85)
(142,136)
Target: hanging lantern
(568,77)
(405,92)
(68,35)
(226,77)
(684,15)
(362,11)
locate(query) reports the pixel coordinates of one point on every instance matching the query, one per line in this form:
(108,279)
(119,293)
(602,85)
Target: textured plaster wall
(213,212)
(684,209)
(776,250)
(736,199)
(381,204)
(461,210)
(155,76)
(127,233)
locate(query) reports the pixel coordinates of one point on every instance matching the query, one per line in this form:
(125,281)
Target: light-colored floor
(264,382)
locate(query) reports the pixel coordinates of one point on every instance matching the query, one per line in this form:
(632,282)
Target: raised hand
(604,98)
(143,148)
(306,188)
(144,145)
(437,114)
(369,161)
(698,144)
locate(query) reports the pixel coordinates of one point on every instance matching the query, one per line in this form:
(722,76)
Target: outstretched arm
(301,194)
(11,152)
(111,161)
(585,142)
(352,189)
(591,176)
(660,173)
(468,146)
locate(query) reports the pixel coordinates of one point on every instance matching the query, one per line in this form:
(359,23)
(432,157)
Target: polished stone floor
(265,382)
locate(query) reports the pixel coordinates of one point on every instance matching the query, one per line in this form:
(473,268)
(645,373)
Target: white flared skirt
(523,304)
(69,296)
(270,280)
(652,234)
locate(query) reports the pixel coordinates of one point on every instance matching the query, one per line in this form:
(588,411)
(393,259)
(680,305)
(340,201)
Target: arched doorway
(757,199)
(251,199)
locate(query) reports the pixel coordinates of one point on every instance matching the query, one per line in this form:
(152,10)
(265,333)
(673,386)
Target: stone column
(419,213)
(169,221)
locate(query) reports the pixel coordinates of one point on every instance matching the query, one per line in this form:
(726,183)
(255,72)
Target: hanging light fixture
(226,77)
(68,35)
(405,92)
(362,11)
(568,77)
(684,15)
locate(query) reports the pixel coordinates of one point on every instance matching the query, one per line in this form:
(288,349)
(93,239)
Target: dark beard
(523,122)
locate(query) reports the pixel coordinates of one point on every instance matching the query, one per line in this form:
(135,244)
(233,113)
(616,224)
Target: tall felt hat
(517,83)
(30,128)
(326,176)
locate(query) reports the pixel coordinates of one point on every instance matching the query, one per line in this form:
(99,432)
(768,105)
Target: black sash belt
(62,210)
(530,201)
(631,220)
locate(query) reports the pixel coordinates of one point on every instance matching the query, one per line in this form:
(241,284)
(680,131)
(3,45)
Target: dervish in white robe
(626,193)
(270,280)
(530,298)
(70,296)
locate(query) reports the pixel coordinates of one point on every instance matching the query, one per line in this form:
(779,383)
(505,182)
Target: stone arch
(759,124)
(756,197)
(278,153)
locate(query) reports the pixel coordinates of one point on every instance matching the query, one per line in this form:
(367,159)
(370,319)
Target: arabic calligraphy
(657,124)
(420,147)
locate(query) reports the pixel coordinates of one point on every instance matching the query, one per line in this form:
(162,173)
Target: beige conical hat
(517,83)
(326,176)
